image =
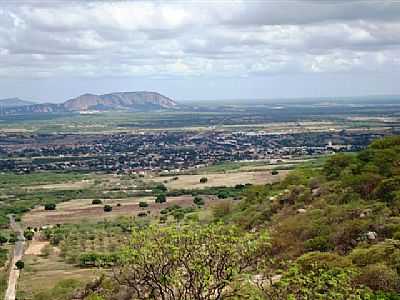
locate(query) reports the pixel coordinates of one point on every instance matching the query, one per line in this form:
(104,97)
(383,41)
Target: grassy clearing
(39,178)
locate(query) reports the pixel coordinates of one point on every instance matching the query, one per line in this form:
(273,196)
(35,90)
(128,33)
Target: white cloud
(239,38)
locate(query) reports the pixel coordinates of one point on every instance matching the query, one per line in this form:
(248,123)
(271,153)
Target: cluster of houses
(165,151)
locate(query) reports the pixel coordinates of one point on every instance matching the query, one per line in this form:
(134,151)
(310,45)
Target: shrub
(198,200)
(20,264)
(3,239)
(222,209)
(203,179)
(161,198)
(274,172)
(142,214)
(50,206)
(143,204)
(28,234)
(96,201)
(107,208)
(379,277)
(316,283)
(319,243)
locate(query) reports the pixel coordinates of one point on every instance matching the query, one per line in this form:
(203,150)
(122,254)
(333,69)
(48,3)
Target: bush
(107,208)
(3,239)
(161,198)
(96,201)
(379,277)
(142,214)
(222,209)
(319,243)
(143,204)
(50,206)
(198,200)
(203,179)
(274,172)
(28,234)
(20,265)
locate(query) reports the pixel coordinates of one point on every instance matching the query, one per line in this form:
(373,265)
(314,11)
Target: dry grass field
(221,179)
(76,211)
(70,185)
(41,274)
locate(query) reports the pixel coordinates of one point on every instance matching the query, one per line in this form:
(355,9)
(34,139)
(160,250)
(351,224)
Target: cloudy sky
(54,50)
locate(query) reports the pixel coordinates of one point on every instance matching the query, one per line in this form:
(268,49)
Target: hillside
(14,102)
(123,100)
(134,101)
(329,231)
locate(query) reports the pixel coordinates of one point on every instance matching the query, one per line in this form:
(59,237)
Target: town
(166,151)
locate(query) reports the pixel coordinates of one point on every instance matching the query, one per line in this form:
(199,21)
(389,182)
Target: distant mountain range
(14,102)
(135,101)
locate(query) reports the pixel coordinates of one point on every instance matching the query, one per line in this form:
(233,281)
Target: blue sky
(55,50)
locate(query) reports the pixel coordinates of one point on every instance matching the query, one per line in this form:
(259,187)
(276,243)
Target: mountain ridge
(14,102)
(139,100)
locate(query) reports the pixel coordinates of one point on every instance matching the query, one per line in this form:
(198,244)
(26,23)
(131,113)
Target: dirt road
(18,253)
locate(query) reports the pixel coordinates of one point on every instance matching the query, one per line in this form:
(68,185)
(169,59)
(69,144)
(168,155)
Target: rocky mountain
(14,102)
(136,101)
(123,100)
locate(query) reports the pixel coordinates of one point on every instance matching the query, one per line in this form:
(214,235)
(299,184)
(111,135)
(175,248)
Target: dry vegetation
(76,211)
(220,179)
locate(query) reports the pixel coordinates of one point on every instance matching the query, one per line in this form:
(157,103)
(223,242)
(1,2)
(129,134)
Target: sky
(193,50)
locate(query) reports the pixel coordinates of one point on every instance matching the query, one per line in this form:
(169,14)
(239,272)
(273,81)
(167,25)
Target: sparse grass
(220,179)
(41,274)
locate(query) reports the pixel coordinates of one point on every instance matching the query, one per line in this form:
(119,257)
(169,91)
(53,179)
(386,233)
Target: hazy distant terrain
(136,101)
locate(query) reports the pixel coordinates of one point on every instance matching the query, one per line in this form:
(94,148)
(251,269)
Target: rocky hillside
(136,101)
(124,100)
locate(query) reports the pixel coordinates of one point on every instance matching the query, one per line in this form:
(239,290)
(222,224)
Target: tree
(203,179)
(3,239)
(28,234)
(188,262)
(143,204)
(20,264)
(161,198)
(336,164)
(50,206)
(96,201)
(107,208)
(198,200)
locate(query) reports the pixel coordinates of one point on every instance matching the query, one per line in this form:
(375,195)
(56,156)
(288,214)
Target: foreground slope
(334,233)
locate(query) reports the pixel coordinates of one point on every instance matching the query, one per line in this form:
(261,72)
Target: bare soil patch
(35,247)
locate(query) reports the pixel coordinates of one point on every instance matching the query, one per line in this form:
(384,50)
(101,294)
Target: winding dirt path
(17,255)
